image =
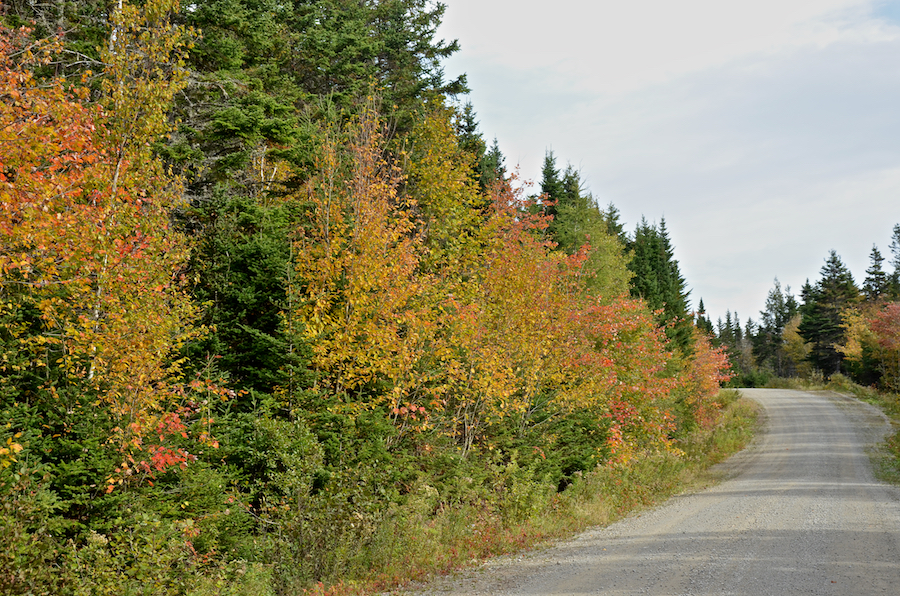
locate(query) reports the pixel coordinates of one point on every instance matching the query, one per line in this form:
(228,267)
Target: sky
(765,132)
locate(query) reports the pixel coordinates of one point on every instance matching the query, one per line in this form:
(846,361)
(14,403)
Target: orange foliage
(97,260)
(706,370)
(885,324)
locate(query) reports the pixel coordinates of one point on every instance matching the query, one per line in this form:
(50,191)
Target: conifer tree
(768,341)
(578,224)
(492,167)
(702,320)
(488,167)
(658,280)
(822,309)
(551,184)
(895,263)
(467,134)
(614,225)
(877,283)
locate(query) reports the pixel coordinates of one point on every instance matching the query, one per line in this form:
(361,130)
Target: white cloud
(616,47)
(766,133)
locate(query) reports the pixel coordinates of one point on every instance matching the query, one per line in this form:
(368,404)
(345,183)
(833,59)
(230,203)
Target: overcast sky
(766,132)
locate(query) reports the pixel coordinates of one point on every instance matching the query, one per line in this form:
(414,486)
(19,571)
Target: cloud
(617,47)
(766,133)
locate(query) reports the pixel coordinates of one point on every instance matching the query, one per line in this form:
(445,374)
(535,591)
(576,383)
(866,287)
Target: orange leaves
(878,329)
(96,261)
(454,313)
(706,369)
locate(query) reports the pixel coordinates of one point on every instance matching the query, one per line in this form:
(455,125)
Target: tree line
(264,288)
(834,326)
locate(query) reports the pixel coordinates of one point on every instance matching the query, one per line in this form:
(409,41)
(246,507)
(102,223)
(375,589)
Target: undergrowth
(418,542)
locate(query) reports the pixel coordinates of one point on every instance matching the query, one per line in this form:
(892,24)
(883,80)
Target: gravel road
(801,514)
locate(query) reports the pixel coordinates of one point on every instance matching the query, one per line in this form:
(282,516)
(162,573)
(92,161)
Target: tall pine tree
(768,341)
(822,307)
(877,284)
(658,280)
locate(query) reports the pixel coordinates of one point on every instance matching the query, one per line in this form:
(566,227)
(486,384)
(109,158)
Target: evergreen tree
(243,264)
(702,320)
(768,341)
(821,312)
(579,223)
(575,211)
(467,134)
(492,167)
(488,162)
(614,226)
(877,283)
(551,184)
(726,330)
(895,263)
(658,280)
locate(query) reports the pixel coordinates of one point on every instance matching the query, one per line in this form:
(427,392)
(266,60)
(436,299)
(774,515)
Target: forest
(272,309)
(834,329)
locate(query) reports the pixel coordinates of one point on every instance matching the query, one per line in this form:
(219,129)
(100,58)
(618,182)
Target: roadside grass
(420,542)
(885,457)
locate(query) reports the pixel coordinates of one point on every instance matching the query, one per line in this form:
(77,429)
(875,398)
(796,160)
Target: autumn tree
(885,326)
(90,263)
(358,260)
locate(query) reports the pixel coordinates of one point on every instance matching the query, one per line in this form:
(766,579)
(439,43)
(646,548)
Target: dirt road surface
(801,514)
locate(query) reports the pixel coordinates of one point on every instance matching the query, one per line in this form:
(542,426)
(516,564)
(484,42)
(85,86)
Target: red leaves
(96,263)
(706,369)
(163,458)
(885,325)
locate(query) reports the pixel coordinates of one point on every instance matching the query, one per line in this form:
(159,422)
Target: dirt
(800,513)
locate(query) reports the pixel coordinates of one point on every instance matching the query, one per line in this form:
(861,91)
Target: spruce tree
(821,312)
(578,223)
(768,341)
(614,225)
(491,167)
(702,320)
(877,283)
(467,134)
(551,184)
(895,263)
(658,280)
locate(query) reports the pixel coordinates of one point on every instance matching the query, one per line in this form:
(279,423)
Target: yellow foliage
(358,259)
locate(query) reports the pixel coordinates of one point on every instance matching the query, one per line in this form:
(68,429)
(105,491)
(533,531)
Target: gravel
(800,514)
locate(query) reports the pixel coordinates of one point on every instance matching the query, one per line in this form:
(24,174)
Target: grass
(419,542)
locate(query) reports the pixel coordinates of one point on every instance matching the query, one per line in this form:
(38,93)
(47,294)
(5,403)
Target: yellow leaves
(90,266)
(9,451)
(855,322)
(359,259)
(445,190)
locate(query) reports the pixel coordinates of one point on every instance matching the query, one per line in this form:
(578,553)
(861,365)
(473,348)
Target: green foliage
(29,553)
(768,341)
(821,311)
(242,264)
(658,280)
